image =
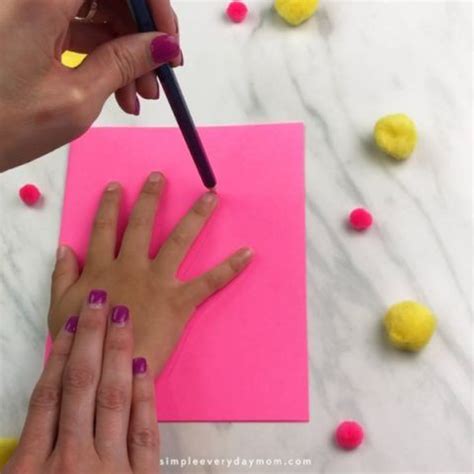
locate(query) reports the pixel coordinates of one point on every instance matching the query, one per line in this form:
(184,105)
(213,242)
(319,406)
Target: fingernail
(61,252)
(97,299)
(182,59)
(137,106)
(209,198)
(120,315)
(139,365)
(71,324)
(112,186)
(245,255)
(155,177)
(164,48)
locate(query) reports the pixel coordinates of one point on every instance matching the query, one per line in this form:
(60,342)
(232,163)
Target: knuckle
(76,109)
(113,397)
(124,60)
(212,282)
(119,343)
(200,209)
(234,266)
(143,395)
(45,396)
(179,238)
(78,377)
(144,438)
(139,221)
(103,223)
(91,324)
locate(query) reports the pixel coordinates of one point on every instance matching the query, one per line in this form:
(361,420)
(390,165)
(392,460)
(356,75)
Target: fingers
(127,99)
(115,388)
(137,236)
(82,373)
(39,432)
(210,282)
(166,20)
(66,272)
(143,438)
(117,63)
(147,86)
(103,239)
(180,240)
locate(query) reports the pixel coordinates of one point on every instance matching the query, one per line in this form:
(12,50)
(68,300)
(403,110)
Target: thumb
(66,272)
(119,62)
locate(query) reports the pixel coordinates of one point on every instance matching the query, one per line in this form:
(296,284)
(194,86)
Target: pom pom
(30,194)
(360,219)
(237,11)
(7,448)
(409,325)
(396,135)
(349,435)
(296,12)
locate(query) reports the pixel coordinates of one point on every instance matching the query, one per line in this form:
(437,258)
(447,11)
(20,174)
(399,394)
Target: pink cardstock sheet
(243,355)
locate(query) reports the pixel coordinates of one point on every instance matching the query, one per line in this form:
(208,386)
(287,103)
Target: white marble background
(338,73)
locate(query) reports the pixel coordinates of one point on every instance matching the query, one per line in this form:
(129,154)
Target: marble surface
(338,73)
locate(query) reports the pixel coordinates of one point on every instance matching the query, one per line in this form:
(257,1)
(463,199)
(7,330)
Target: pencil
(169,82)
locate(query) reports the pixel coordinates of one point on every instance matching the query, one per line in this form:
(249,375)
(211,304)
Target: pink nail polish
(97,298)
(164,48)
(71,324)
(139,365)
(120,315)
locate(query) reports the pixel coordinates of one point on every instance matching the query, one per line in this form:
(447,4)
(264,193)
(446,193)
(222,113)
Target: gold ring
(94,5)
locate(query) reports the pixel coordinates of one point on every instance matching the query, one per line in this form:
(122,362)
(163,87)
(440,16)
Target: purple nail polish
(139,365)
(137,107)
(97,298)
(164,48)
(119,315)
(71,324)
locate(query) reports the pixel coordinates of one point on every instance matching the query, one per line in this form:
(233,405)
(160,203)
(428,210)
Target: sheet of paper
(243,356)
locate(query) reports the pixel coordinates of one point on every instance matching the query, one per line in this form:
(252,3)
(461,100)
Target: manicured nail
(155,177)
(209,198)
(164,48)
(139,365)
(137,106)
(61,252)
(245,255)
(120,315)
(112,187)
(97,298)
(71,324)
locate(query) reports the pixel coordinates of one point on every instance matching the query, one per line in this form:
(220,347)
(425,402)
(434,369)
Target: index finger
(166,20)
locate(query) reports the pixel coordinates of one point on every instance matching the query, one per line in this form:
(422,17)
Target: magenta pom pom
(360,219)
(29,194)
(349,435)
(237,11)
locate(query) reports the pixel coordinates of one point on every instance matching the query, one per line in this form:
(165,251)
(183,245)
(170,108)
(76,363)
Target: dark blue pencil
(173,92)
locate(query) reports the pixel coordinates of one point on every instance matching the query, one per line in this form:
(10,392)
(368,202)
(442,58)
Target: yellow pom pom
(296,12)
(7,446)
(396,135)
(71,59)
(409,325)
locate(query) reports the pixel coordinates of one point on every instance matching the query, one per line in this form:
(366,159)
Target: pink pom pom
(237,11)
(349,435)
(360,219)
(29,194)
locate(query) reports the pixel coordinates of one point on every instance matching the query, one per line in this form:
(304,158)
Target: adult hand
(44,105)
(93,409)
(161,304)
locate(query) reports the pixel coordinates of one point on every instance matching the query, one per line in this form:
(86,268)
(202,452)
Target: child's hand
(160,303)
(93,409)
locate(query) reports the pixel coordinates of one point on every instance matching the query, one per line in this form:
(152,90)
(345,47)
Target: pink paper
(243,356)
